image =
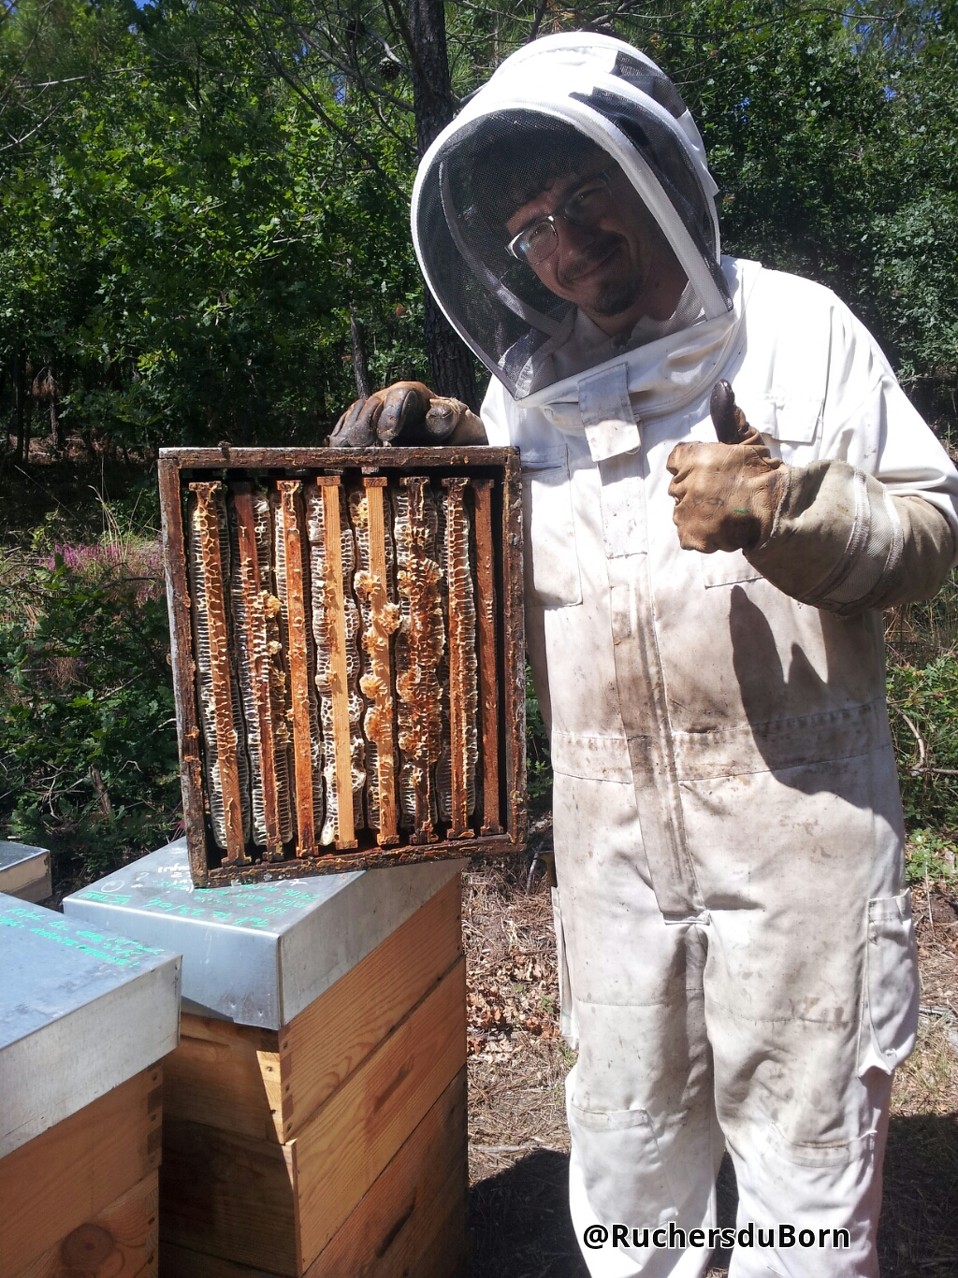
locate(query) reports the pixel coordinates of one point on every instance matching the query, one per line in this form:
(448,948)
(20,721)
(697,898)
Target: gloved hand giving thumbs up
(726,494)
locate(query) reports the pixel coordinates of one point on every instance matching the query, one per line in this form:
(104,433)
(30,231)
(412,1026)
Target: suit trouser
(769,1024)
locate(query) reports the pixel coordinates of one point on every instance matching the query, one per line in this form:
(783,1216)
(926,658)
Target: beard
(618,282)
(614,297)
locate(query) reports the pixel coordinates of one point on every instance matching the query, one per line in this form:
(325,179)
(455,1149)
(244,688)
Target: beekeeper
(705,633)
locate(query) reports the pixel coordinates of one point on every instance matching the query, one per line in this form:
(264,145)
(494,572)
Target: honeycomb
(338,625)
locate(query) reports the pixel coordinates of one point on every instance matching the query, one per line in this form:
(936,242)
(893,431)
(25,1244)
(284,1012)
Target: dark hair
(519,155)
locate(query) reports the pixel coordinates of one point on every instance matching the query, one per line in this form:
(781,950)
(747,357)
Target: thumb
(729,421)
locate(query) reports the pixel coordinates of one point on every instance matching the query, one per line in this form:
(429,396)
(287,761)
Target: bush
(88,755)
(922,703)
(931,859)
(538,758)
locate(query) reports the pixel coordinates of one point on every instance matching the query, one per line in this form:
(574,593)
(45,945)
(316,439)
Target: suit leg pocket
(623,1170)
(889,1017)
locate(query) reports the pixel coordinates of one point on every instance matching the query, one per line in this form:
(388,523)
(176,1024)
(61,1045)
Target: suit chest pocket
(727,568)
(551,564)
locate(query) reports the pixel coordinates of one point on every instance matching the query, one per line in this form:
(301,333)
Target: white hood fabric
(619,100)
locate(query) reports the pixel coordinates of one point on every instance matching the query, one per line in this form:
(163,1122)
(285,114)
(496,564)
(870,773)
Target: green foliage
(922,688)
(923,702)
(88,758)
(193,198)
(930,858)
(184,240)
(538,758)
(909,244)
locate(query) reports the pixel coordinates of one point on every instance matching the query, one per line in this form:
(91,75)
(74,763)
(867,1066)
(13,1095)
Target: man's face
(617,269)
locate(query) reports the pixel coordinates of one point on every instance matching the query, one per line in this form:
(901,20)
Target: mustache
(590,257)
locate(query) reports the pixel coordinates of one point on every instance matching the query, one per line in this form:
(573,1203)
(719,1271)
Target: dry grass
(919,1230)
(518,1142)
(518,1139)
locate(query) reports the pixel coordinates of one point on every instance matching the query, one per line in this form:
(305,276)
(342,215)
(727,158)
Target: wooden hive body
(348,658)
(337,1144)
(87,1017)
(314,1111)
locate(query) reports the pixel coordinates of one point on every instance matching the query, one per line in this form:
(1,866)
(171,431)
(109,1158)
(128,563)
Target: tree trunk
(56,422)
(360,367)
(451,367)
(431,84)
(22,446)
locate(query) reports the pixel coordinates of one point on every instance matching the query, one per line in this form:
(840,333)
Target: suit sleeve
(874,521)
(843,542)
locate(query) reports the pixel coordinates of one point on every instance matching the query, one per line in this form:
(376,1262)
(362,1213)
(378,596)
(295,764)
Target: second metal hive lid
(259,953)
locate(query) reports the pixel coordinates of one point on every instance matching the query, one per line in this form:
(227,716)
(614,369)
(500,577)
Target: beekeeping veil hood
(581,88)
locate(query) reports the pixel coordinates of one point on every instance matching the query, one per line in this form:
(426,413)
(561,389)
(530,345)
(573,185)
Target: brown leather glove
(406,413)
(726,494)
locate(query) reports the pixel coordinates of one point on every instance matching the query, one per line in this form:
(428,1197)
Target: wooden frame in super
(495,714)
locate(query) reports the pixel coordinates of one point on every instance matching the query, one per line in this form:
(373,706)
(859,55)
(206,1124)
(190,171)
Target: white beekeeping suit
(727,825)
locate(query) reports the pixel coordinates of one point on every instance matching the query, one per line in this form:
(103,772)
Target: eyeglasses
(584,207)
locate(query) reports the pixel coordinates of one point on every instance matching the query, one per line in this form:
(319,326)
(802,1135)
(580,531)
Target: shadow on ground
(520,1222)
(521,1228)
(918,1237)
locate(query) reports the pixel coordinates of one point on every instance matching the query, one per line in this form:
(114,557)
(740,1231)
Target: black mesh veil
(542,116)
